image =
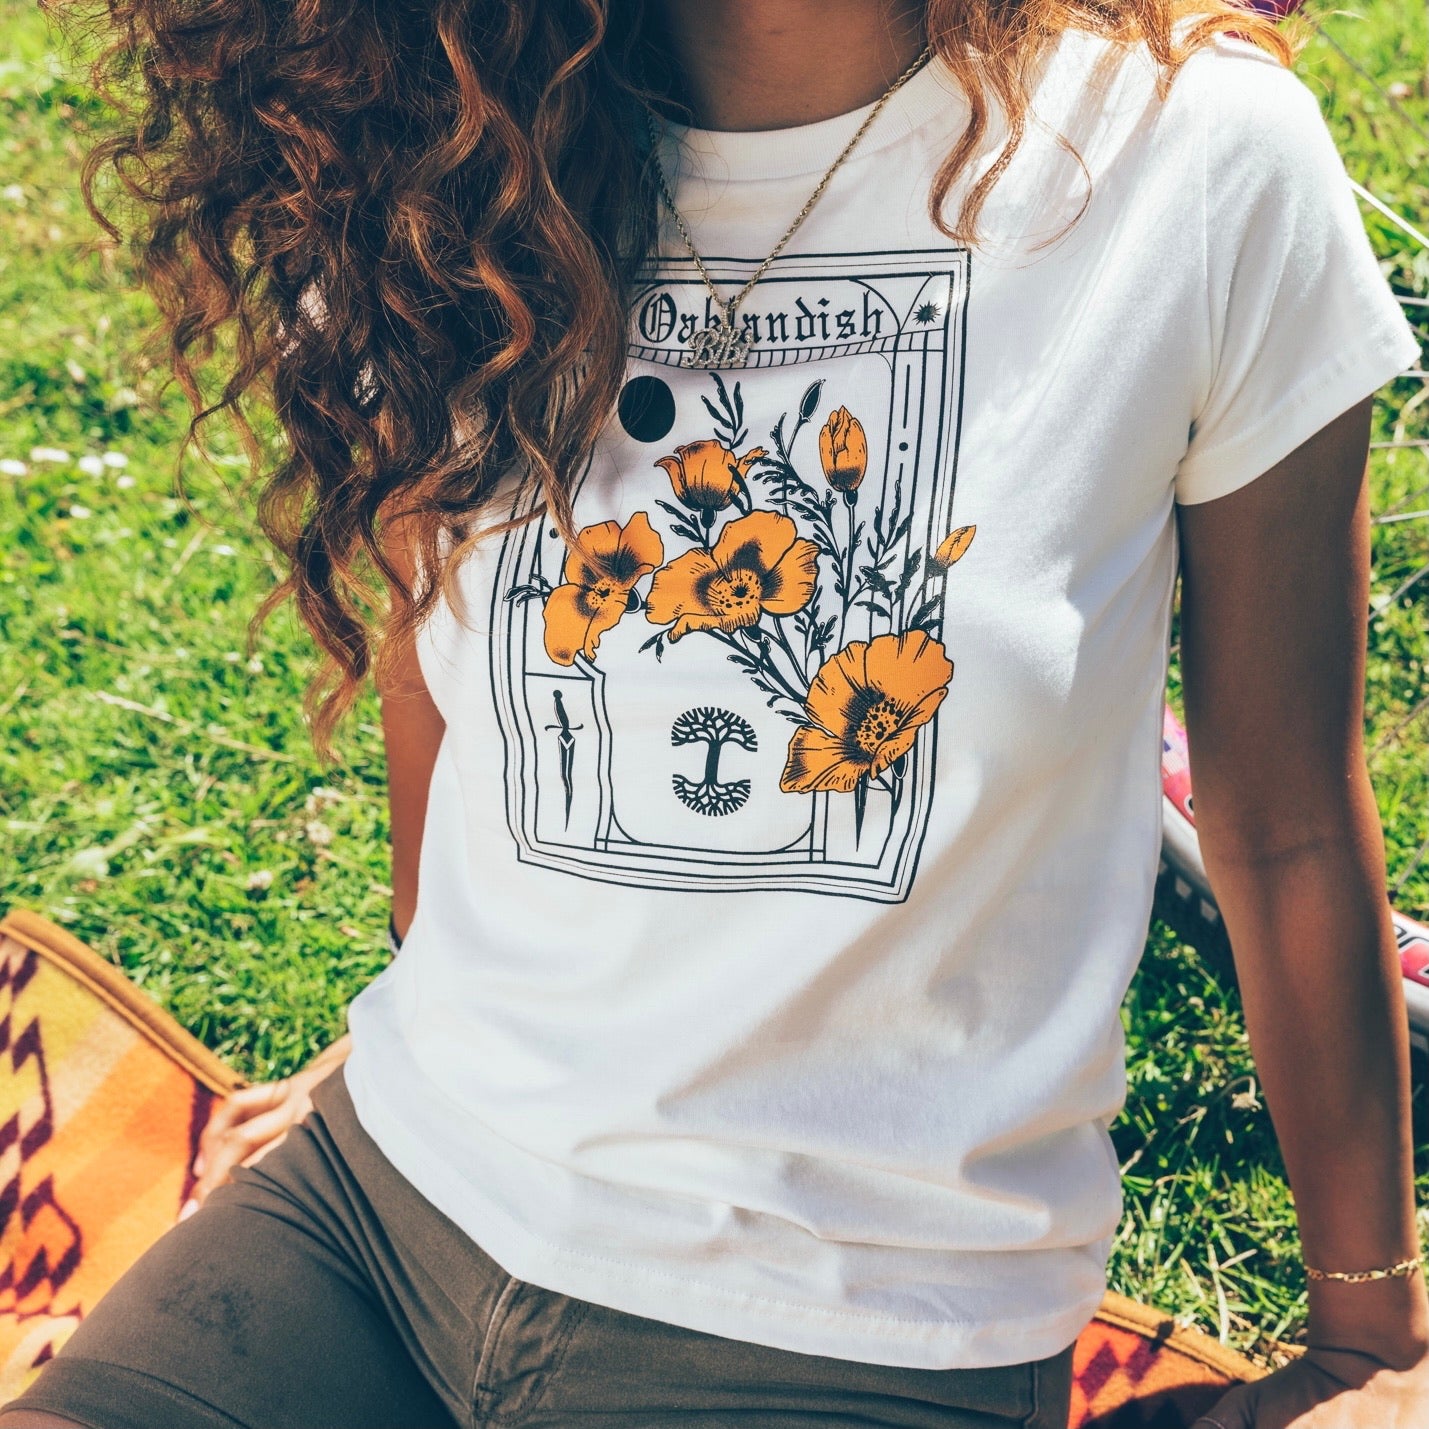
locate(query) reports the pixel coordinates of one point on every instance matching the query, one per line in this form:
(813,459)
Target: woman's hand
(253,1120)
(1328,1389)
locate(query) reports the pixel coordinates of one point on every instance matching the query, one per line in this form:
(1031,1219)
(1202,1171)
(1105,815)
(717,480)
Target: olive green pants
(319,1290)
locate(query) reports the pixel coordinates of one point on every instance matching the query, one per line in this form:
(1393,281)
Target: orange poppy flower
(600,572)
(843,450)
(706,475)
(865,709)
(760,563)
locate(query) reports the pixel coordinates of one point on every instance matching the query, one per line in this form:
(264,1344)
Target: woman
(752,1045)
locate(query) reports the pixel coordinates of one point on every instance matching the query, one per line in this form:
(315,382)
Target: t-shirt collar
(720,154)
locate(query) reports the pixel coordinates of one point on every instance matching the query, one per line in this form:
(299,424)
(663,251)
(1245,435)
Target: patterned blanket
(102,1100)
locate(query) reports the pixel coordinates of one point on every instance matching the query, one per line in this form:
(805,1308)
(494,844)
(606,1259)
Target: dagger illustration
(566,739)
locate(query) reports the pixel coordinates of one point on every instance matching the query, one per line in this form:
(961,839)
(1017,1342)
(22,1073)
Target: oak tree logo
(714,728)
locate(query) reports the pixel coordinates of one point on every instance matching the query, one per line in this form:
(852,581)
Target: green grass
(153,776)
(159,796)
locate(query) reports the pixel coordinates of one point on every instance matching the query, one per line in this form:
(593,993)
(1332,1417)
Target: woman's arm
(412,729)
(1275,596)
(255,1119)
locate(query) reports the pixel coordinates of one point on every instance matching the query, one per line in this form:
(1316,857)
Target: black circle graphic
(647,409)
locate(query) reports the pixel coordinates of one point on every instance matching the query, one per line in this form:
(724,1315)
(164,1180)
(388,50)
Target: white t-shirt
(777,901)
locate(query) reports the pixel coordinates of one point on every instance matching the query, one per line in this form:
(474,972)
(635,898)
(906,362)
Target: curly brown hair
(383,220)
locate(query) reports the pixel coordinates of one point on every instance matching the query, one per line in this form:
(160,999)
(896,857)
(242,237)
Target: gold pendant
(722,345)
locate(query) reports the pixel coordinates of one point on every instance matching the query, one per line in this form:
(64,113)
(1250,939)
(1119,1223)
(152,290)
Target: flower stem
(850,501)
(766,665)
(798,664)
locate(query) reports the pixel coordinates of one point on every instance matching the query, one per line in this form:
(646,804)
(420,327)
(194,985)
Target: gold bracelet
(1404,1267)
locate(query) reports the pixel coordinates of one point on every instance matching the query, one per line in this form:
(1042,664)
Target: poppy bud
(951,549)
(843,450)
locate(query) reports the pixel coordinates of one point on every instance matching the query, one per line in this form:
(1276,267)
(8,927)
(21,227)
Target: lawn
(158,794)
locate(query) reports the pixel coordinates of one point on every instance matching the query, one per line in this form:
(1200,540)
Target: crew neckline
(752,154)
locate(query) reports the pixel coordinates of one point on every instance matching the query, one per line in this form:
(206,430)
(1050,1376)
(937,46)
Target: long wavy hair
(410,229)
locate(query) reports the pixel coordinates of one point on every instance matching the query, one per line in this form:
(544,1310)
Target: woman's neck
(772,64)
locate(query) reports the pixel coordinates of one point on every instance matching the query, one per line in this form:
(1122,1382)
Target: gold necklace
(722,344)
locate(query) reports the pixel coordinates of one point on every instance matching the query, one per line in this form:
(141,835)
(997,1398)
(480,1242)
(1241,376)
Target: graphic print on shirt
(733,679)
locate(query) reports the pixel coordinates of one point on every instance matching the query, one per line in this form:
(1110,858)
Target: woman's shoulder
(1231,106)
(1224,71)
(1242,92)
(1094,81)
(1265,140)
(1229,100)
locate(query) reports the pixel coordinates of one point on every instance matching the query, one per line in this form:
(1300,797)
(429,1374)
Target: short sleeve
(1302,323)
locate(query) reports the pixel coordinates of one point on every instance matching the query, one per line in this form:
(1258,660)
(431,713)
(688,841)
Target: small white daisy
(91,465)
(55,454)
(90,862)
(10,467)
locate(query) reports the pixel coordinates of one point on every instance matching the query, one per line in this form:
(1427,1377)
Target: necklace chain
(729,344)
